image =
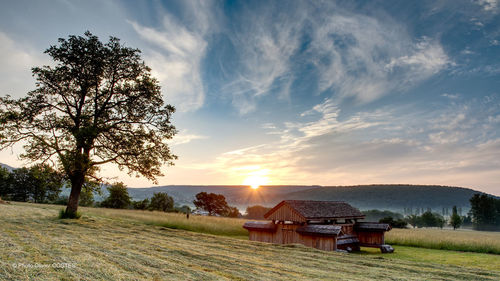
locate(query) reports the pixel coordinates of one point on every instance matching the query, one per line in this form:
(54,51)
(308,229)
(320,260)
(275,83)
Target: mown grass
(446,239)
(440,239)
(105,248)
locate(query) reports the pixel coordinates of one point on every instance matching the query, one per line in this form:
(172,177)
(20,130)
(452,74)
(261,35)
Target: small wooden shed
(325,225)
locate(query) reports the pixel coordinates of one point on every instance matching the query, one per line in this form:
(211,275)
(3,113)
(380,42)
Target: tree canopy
(485,212)
(118,197)
(215,204)
(98,104)
(161,202)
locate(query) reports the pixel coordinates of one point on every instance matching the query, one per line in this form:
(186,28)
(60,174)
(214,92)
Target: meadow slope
(101,248)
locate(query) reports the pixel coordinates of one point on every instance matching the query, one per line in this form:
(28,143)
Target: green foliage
(161,202)
(183,209)
(39,183)
(485,212)
(86,198)
(118,197)
(427,219)
(62,200)
(215,204)
(413,220)
(87,195)
(97,104)
(256,212)
(141,205)
(455,219)
(64,214)
(399,223)
(232,212)
(376,215)
(4,182)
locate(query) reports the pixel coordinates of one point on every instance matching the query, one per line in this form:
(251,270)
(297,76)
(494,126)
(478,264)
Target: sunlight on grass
(445,239)
(107,244)
(202,224)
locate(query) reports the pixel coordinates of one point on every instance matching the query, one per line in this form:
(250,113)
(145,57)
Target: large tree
(97,104)
(215,204)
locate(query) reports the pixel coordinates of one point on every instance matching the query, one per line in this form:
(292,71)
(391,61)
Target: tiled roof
(321,209)
(260,225)
(323,230)
(372,226)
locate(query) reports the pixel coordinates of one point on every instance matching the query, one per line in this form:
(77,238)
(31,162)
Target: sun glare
(255,181)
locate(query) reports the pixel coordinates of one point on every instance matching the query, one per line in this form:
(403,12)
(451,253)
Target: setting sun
(255,181)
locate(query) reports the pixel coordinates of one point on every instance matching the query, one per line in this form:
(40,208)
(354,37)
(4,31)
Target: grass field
(106,245)
(447,239)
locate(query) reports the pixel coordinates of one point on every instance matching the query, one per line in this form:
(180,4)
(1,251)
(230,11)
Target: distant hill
(241,196)
(365,197)
(391,197)
(7,167)
(394,197)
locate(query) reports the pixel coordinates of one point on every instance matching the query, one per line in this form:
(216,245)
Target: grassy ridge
(103,248)
(445,239)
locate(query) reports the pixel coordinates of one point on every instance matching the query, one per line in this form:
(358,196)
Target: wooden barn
(325,225)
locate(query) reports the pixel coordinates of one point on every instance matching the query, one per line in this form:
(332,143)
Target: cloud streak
(180,48)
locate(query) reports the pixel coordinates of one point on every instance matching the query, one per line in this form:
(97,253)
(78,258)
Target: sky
(297,92)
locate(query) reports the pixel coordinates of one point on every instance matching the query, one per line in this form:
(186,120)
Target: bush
(256,212)
(69,215)
(118,197)
(399,223)
(141,205)
(62,200)
(161,202)
(183,209)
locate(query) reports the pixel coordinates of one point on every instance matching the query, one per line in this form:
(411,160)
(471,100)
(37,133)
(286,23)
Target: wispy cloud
(352,55)
(184,137)
(489,5)
(182,47)
(17,60)
(375,146)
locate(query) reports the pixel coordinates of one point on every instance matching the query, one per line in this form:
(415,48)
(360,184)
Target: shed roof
(323,230)
(260,226)
(309,209)
(372,226)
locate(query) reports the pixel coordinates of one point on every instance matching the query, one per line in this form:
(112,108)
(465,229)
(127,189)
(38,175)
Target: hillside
(98,247)
(387,197)
(9,168)
(235,194)
(392,197)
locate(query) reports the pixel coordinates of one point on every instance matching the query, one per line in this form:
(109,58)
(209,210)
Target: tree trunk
(74,196)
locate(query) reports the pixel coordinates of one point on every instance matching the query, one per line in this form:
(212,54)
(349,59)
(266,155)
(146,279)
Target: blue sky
(298,92)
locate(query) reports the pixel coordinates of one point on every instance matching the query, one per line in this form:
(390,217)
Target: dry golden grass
(447,239)
(99,247)
(203,224)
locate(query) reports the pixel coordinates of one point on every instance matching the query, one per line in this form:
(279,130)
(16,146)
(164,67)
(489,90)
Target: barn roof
(309,209)
(323,230)
(260,225)
(372,226)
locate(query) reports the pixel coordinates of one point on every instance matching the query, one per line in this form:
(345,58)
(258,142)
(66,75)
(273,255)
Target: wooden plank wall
(347,228)
(285,213)
(287,234)
(319,242)
(372,238)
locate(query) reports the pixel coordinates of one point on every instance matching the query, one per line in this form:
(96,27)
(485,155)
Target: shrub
(399,223)
(256,212)
(161,202)
(118,197)
(63,214)
(141,205)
